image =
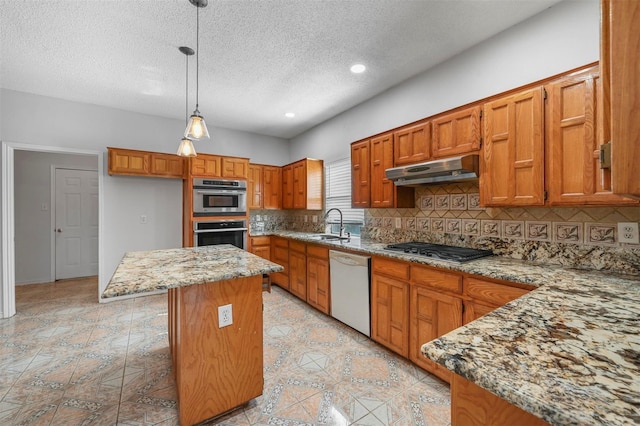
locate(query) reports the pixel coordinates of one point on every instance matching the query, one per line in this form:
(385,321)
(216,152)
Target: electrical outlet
(314,218)
(398,222)
(306,218)
(225,316)
(143,218)
(628,232)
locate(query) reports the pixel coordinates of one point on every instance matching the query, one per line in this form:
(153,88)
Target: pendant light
(186,148)
(197,128)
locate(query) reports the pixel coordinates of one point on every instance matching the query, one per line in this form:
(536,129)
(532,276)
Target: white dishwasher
(350,300)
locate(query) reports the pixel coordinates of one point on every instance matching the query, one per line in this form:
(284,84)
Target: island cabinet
(384,194)
(512,166)
(390,304)
(318,287)
(298,269)
(130,162)
(411,144)
(456,132)
(264,187)
(217,166)
(302,184)
(620,44)
(473,406)
(435,309)
(280,255)
(576,134)
(360,175)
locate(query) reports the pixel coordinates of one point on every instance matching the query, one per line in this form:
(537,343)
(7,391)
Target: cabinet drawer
(318,251)
(436,279)
(260,241)
(297,246)
(494,293)
(281,242)
(392,268)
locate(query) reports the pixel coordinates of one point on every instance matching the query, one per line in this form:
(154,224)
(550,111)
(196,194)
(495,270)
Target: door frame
(8,295)
(55,167)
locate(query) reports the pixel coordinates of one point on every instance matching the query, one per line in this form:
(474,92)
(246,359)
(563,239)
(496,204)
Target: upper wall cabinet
(207,165)
(621,66)
(264,187)
(360,188)
(411,144)
(575,134)
(512,168)
(456,133)
(302,184)
(143,163)
(384,194)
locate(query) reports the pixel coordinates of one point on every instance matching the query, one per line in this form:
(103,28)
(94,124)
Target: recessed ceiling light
(358,68)
(290,114)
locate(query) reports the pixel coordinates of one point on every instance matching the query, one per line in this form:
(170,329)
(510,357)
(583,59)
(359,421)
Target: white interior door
(76,223)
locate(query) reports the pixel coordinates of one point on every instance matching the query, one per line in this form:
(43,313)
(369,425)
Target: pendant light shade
(186,148)
(197,128)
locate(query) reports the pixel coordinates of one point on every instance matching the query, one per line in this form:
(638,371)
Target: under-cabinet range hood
(454,169)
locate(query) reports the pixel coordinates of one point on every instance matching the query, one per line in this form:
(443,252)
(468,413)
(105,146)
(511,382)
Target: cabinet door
(432,315)
(167,165)
(621,54)
(573,143)
(262,251)
(300,185)
(512,168)
(360,191)
(318,283)
(206,165)
(382,189)
(235,168)
(128,162)
(456,133)
(411,144)
(298,274)
(287,187)
(272,187)
(280,255)
(390,313)
(255,187)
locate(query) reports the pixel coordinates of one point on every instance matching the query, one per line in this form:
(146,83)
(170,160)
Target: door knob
(58,230)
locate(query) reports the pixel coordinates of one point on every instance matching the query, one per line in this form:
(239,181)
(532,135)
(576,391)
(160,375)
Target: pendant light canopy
(186,148)
(196,127)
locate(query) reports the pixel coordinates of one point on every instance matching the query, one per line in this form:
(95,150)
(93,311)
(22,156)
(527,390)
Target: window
(338,195)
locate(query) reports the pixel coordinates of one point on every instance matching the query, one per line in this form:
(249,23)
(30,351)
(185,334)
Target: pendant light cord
(197,53)
(186,93)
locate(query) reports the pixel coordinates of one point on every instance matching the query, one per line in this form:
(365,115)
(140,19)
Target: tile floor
(67,360)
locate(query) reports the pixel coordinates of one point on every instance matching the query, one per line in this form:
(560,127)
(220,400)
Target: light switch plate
(628,232)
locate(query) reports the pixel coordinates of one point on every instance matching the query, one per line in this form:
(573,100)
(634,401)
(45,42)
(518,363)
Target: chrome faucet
(341,224)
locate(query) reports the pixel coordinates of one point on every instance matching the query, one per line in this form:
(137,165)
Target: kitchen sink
(328,237)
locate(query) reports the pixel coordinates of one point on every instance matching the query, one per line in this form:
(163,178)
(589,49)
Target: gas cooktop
(439,251)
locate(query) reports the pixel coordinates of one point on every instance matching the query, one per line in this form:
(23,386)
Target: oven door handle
(220,191)
(199,231)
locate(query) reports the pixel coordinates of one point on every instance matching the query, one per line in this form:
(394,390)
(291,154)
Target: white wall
(44,121)
(563,37)
(33,233)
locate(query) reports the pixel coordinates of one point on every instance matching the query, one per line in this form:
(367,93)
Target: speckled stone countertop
(567,352)
(147,271)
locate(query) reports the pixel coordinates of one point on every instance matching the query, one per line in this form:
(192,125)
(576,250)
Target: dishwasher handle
(348,259)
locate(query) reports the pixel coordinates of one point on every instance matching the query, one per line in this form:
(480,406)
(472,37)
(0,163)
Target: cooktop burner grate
(441,252)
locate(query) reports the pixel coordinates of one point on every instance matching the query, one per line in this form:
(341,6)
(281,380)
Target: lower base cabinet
(318,286)
(280,255)
(298,269)
(473,406)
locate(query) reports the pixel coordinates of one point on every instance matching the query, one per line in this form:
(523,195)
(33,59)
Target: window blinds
(338,192)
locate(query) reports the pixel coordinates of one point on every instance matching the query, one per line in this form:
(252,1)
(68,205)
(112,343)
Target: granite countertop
(147,271)
(567,352)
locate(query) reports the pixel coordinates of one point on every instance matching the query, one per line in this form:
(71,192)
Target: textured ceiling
(258,58)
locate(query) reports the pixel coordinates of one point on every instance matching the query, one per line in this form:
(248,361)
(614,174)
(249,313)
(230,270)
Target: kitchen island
(217,367)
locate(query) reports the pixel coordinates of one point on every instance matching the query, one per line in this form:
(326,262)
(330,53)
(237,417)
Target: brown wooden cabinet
(411,144)
(280,255)
(261,246)
(390,304)
(235,167)
(208,165)
(483,296)
(574,136)
(360,183)
(435,309)
(512,172)
(131,162)
(272,187)
(318,294)
(384,194)
(255,186)
(298,269)
(621,63)
(302,184)
(456,133)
